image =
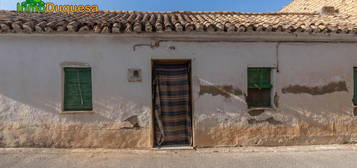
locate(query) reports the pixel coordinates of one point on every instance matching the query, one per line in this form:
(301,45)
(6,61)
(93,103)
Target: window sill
(77,112)
(261,108)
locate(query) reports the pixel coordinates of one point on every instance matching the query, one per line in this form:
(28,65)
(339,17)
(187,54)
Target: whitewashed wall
(317,111)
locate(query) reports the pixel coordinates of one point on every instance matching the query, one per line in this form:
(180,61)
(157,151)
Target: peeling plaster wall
(312,92)
(31,94)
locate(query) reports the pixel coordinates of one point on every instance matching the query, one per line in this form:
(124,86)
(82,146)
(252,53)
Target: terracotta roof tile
(180,21)
(344,6)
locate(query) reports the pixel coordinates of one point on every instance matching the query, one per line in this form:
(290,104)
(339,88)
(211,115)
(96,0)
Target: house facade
(203,79)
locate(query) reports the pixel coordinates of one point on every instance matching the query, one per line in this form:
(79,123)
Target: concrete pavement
(332,156)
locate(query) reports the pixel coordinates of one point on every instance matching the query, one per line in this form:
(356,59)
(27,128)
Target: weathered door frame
(152,97)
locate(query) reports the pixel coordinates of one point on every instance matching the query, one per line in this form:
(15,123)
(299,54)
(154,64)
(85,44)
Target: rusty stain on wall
(222,90)
(318,90)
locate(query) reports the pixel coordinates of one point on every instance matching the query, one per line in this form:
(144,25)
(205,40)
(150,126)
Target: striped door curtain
(172,105)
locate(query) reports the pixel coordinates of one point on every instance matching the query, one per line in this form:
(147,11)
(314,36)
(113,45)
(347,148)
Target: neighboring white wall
(30,86)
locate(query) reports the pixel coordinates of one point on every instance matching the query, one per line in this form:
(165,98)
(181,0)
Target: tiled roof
(344,6)
(147,22)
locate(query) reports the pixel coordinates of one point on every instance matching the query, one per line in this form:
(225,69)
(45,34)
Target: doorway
(172,105)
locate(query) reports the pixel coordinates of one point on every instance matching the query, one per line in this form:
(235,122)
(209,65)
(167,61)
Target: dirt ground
(339,156)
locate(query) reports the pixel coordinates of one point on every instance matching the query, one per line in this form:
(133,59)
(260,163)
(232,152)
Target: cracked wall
(312,93)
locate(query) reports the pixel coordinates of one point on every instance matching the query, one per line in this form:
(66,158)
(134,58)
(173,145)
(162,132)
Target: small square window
(134,75)
(77,89)
(259,87)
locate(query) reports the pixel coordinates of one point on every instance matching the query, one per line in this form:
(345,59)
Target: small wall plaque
(134,75)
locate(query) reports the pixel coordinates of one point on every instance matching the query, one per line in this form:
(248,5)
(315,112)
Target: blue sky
(171,5)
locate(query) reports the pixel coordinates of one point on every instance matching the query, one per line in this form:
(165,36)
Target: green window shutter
(259,78)
(77,89)
(259,87)
(355,86)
